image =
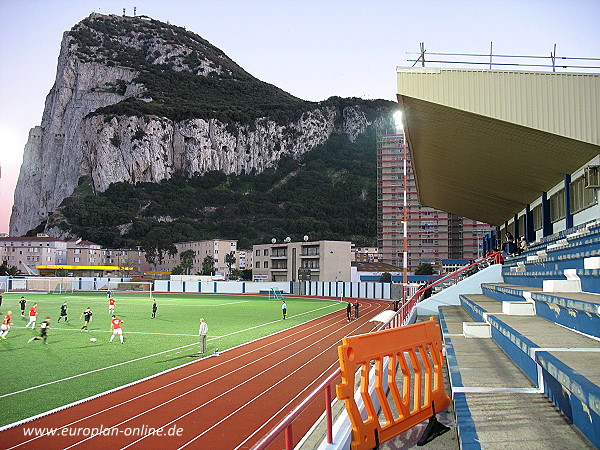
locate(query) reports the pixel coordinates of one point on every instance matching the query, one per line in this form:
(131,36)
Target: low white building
(298,261)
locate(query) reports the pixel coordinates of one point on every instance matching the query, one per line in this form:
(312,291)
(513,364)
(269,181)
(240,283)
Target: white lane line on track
(241,384)
(210,382)
(141,357)
(179,380)
(326,371)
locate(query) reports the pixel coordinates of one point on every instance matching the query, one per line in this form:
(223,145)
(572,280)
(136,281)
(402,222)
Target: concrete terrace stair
(576,310)
(496,405)
(563,363)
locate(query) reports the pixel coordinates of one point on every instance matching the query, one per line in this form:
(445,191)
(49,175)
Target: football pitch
(36,378)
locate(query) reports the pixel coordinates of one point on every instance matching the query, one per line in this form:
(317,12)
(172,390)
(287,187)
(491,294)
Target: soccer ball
(93,339)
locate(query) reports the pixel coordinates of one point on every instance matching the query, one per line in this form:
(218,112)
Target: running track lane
(226,402)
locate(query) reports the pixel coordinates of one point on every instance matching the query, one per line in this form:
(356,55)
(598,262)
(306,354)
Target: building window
(279,252)
(76,259)
(257,265)
(266,264)
(281,264)
(266,252)
(536,213)
(557,206)
(580,196)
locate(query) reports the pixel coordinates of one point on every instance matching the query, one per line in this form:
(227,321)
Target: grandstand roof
(484,144)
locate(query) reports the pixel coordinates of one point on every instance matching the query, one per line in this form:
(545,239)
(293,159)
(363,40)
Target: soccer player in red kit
(111,305)
(115,326)
(32,316)
(5,326)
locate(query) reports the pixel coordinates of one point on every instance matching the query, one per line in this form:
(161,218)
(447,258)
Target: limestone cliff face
(52,160)
(109,148)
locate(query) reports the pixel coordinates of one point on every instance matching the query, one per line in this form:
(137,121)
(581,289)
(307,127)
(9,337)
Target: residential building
(84,253)
(244,259)
(365,254)
(432,235)
(294,261)
(26,253)
(216,248)
(134,258)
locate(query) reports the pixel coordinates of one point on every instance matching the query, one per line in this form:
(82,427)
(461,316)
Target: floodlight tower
(400,127)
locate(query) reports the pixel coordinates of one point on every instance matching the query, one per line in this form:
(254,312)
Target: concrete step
(496,405)
(562,362)
(576,310)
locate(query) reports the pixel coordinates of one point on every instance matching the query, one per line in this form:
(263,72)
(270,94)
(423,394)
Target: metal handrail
(285,425)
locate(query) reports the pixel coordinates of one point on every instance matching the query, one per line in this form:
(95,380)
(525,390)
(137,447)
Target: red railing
(399,319)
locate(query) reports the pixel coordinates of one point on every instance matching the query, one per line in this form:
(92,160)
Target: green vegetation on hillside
(329,193)
(185,76)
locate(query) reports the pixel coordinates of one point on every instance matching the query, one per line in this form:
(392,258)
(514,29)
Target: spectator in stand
(523,245)
(498,259)
(509,243)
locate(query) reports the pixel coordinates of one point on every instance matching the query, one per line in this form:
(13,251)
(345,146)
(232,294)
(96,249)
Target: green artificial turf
(42,371)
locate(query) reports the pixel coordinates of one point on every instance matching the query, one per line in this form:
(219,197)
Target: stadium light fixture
(398,121)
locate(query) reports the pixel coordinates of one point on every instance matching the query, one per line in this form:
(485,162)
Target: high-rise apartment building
(432,235)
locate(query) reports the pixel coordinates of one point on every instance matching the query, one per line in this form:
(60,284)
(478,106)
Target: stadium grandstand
(520,151)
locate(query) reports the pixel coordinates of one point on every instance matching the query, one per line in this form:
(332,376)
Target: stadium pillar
(517,231)
(546,223)
(529,231)
(568,215)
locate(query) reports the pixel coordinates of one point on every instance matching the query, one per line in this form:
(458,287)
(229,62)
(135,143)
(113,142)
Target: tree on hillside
(208,265)
(157,244)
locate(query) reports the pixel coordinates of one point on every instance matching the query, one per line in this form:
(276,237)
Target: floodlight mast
(405,214)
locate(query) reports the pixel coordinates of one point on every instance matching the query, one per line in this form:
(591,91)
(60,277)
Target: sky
(313,49)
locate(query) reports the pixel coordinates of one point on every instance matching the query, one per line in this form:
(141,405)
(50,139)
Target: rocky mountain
(136,101)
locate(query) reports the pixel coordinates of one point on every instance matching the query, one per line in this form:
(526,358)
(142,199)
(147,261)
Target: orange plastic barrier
(422,380)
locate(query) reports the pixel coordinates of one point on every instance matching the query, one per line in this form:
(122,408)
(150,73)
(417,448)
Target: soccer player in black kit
(87,319)
(44,327)
(63,312)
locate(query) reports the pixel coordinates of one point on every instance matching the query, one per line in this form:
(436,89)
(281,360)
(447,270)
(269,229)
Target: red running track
(226,402)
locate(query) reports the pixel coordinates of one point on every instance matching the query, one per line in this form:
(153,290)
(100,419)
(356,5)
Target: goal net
(63,287)
(42,284)
(275,294)
(130,287)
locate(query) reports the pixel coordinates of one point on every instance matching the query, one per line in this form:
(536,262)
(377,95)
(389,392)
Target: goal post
(275,294)
(42,284)
(63,287)
(130,287)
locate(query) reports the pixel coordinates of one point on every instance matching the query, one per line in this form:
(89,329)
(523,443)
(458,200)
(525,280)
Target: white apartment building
(26,253)
(293,261)
(128,257)
(217,248)
(244,259)
(84,253)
